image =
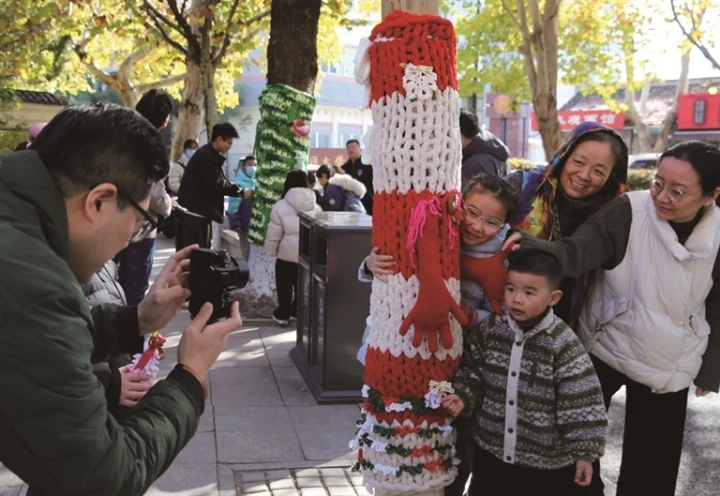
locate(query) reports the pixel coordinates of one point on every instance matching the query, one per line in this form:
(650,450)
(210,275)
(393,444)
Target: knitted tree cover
(404,440)
(282,135)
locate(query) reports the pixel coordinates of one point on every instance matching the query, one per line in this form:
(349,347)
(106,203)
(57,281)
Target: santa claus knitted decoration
(405,441)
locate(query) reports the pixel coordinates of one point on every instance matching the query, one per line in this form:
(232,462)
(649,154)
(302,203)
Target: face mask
(250,171)
(189,153)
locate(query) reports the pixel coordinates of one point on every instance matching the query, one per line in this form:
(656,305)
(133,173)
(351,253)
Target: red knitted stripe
(417,39)
(402,376)
(388,417)
(390,231)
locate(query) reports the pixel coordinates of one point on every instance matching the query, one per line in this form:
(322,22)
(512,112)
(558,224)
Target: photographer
(204,187)
(68,205)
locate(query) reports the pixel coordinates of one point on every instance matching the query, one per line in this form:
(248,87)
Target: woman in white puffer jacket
(283,238)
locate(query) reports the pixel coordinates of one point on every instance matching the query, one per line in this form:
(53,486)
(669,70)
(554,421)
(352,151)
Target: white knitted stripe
(415,144)
(389,304)
(407,483)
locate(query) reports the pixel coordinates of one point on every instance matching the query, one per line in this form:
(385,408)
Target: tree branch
(161,83)
(512,16)
(99,74)
(227,37)
(187,30)
(700,46)
(166,37)
(131,60)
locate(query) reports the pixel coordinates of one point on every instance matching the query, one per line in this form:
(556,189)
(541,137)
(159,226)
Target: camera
(214,275)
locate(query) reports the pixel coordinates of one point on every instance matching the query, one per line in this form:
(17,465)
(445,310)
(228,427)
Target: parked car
(643,161)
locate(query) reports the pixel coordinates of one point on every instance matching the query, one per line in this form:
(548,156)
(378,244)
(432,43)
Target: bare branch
(155,13)
(700,46)
(158,28)
(187,30)
(162,83)
(246,38)
(512,16)
(227,37)
(552,8)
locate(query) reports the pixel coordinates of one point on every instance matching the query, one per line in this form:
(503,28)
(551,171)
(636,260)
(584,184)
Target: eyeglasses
(490,224)
(145,225)
(675,195)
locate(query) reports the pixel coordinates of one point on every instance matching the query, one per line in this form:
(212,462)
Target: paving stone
(323,430)
(282,484)
(252,477)
(244,386)
(314,491)
(200,449)
(255,435)
(254,487)
(307,472)
(341,491)
(309,482)
(292,386)
(332,472)
(186,480)
(285,492)
(336,482)
(278,474)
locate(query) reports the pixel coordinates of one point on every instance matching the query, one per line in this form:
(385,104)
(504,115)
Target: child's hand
(133,386)
(583,473)
(379,265)
(453,404)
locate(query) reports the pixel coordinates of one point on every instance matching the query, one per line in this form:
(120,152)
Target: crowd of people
(573,289)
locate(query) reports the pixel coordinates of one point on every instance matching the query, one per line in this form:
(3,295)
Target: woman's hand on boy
(583,473)
(514,238)
(380,265)
(453,404)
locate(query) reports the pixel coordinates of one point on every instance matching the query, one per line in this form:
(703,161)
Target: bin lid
(340,221)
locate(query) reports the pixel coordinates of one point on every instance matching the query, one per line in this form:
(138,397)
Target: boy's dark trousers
(135,265)
(465,447)
(653,439)
(286,275)
(493,477)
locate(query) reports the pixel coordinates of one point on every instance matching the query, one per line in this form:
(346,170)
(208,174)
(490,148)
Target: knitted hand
(434,302)
(490,274)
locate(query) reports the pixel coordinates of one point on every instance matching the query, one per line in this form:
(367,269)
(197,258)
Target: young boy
(541,420)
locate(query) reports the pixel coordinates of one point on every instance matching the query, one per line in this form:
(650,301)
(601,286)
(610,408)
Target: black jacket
(204,185)
(364,174)
(485,153)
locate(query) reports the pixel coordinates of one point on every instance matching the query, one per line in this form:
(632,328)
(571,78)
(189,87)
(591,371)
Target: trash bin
(333,304)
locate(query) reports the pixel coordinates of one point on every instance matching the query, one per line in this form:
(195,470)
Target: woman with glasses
(652,321)
(588,171)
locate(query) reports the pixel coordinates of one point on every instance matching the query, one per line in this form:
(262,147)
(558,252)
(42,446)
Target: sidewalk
(263,434)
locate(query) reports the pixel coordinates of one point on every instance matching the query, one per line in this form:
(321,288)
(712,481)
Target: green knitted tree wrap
(277,148)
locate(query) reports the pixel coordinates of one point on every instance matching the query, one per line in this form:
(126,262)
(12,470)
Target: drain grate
(325,481)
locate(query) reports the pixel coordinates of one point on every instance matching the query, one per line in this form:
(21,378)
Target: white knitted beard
(416,144)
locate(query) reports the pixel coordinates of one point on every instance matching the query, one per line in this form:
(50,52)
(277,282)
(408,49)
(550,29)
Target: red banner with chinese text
(571,118)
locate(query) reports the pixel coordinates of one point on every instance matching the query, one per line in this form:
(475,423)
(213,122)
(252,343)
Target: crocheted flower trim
(419,81)
(365,425)
(436,393)
(378,403)
(433,466)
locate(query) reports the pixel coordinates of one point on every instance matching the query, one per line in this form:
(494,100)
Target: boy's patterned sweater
(535,394)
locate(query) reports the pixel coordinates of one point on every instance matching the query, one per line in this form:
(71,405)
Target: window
(321,140)
(699,111)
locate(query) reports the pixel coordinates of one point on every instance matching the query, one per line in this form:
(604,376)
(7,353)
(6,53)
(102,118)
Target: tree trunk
(191,110)
(414,6)
(642,143)
(287,97)
(208,79)
(669,121)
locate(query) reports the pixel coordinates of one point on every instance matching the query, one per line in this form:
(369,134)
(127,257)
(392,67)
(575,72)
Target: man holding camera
(204,187)
(66,207)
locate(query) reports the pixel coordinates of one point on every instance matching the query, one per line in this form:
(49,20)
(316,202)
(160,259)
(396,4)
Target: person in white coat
(652,320)
(283,238)
(177,169)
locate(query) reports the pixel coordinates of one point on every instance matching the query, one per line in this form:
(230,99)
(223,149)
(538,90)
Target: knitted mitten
(490,274)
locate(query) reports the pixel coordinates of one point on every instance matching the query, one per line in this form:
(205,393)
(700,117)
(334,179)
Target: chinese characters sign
(571,118)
